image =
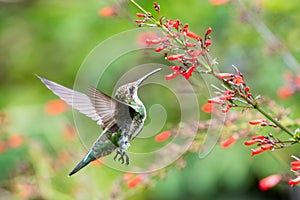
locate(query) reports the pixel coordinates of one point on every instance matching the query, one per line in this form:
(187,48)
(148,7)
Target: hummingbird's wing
(110,110)
(77,100)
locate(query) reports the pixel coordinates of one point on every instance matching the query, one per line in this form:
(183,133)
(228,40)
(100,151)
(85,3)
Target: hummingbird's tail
(85,161)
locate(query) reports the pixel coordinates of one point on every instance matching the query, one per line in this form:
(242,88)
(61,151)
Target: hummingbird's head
(128,92)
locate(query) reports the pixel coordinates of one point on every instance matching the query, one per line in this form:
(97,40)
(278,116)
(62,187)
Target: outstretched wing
(77,100)
(111,110)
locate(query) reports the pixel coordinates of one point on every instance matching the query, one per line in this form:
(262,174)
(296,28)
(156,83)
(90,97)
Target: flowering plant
(190,51)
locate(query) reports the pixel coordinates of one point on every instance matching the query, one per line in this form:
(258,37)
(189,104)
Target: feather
(77,100)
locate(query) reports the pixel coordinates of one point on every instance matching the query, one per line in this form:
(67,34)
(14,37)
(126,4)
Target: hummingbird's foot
(122,155)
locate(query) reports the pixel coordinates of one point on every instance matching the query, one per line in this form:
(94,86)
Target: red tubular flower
(215,101)
(175,67)
(238,80)
(259,137)
(139,21)
(296,163)
(193,35)
(261,149)
(224,75)
(226,108)
(140,15)
(107,12)
(207,43)
(225,97)
(15,140)
(229,141)
(172,23)
(266,147)
(195,53)
(285,92)
(185,28)
(190,34)
(172,76)
(208,31)
(257,121)
(159,49)
(154,41)
(250,142)
(163,136)
(156,6)
(295,168)
(55,107)
(294,181)
(175,57)
(269,182)
(208,107)
(188,73)
(134,182)
(188,44)
(256,151)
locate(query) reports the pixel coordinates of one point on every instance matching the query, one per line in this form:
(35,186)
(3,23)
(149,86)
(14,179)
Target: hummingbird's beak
(139,82)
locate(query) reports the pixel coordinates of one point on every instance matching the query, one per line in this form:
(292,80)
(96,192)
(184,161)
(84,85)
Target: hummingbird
(121,117)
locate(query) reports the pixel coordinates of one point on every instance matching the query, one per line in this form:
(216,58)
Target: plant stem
(139,7)
(277,123)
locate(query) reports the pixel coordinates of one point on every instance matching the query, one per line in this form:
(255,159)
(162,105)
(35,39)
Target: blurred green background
(52,39)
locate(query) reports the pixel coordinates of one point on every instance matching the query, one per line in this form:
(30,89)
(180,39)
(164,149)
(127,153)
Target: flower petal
(269,182)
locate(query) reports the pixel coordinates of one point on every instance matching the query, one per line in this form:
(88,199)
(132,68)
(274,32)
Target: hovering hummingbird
(121,117)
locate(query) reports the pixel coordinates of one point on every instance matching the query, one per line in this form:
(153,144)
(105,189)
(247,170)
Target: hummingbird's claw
(122,155)
(117,153)
(127,159)
(121,159)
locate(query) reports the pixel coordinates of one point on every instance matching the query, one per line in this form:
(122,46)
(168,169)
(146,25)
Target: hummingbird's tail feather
(84,162)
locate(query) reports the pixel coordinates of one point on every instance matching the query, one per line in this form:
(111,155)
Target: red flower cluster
(225,99)
(236,93)
(180,70)
(190,51)
(292,85)
(264,142)
(178,38)
(267,143)
(295,168)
